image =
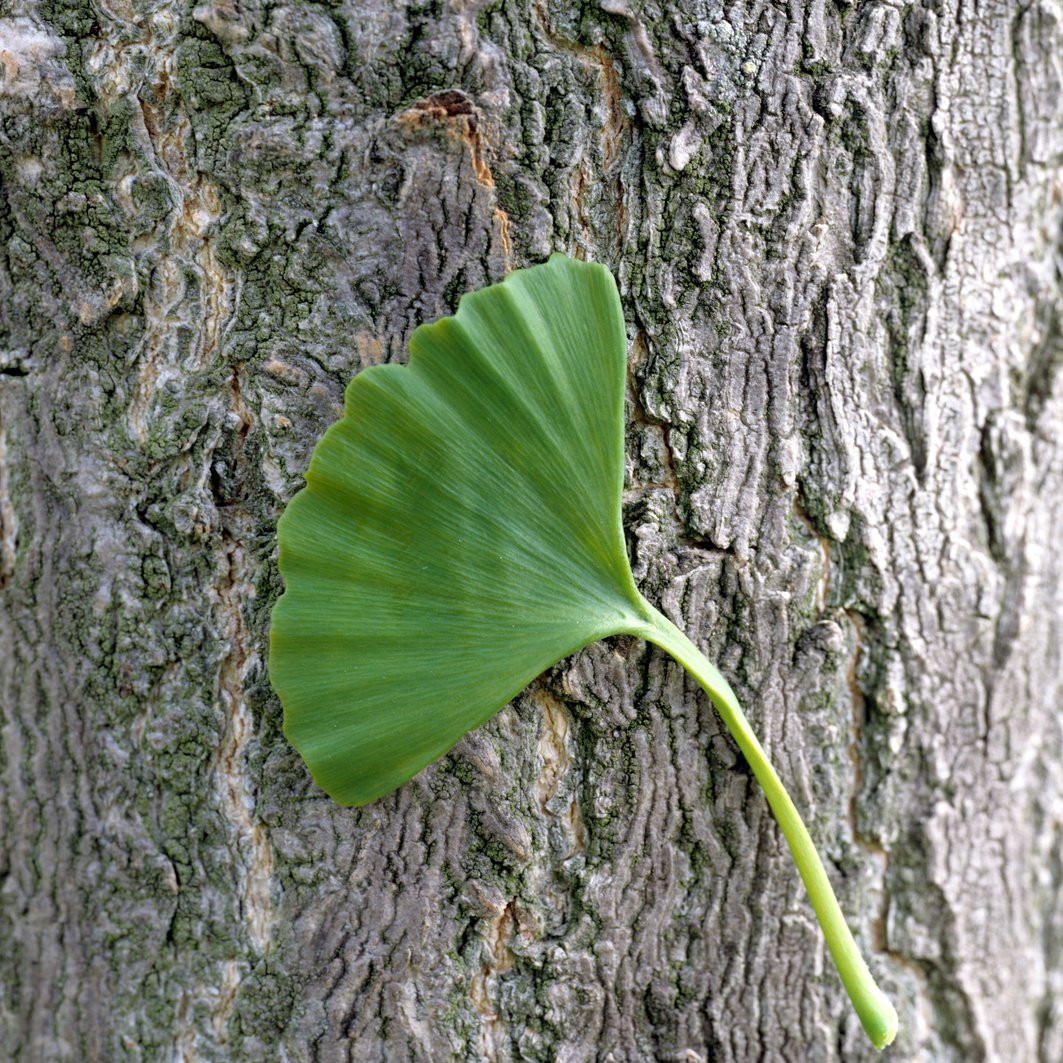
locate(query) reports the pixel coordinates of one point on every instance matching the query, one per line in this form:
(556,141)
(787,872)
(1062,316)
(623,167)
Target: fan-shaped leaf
(460,532)
(457,534)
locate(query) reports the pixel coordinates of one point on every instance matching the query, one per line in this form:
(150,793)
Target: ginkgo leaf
(460,532)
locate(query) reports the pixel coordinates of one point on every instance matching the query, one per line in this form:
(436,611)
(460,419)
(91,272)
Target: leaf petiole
(875,1011)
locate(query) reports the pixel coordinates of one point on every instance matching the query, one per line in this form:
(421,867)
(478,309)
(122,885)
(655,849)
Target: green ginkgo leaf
(460,532)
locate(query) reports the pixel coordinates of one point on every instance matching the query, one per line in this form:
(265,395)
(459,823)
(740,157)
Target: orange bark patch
(458,115)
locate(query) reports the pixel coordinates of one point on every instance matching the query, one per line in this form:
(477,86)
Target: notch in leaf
(460,532)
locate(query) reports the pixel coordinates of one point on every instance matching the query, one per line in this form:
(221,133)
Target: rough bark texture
(838,232)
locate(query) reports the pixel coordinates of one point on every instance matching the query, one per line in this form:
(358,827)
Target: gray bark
(838,232)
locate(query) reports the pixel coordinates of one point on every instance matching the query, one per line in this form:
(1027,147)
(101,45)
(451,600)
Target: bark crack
(235,590)
(8,520)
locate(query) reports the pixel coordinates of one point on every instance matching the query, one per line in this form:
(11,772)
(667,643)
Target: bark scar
(459,117)
(557,760)
(234,785)
(494,1034)
(236,586)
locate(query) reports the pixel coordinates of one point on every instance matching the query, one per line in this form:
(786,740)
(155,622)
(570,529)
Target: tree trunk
(838,233)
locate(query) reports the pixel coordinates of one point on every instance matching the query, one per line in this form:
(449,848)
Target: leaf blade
(459,532)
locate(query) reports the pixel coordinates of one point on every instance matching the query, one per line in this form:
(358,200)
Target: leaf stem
(874,1009)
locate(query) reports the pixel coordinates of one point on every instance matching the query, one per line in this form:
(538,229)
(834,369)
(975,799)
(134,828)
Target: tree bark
(838,233)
